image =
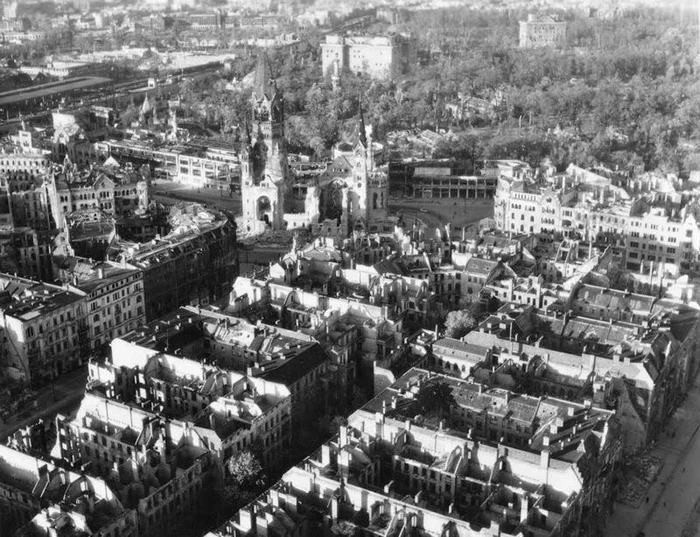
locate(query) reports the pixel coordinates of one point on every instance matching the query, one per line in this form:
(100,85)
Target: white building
(376,56)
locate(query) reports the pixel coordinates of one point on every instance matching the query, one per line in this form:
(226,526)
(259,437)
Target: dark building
(195,264)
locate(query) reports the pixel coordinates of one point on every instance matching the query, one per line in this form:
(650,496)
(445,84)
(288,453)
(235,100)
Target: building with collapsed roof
(155,466)
(285,357)
(231,411)
(379,326)
(436,455)
(36,494)
(641,370)
(542,31)
(116,192)
(194,264)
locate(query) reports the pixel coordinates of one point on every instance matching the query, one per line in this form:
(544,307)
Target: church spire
(246,140)
(363,130)
(263,84)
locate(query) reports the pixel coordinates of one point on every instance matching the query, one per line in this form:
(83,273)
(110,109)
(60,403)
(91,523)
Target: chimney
(343,436)
(344,460)
(524,507)
(334,509)
(325,455)
(262,525)
(247,519)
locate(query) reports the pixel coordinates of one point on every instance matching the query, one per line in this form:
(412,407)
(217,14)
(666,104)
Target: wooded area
(621,92)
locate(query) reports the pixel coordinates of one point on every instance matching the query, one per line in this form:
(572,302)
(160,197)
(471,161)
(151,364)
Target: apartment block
(283,357)
(44,329)
(41,498)
(114,297)
(418,459)
(114,192)
(193,264)
(651,220)
(640,369)
(156,467)
(232,411)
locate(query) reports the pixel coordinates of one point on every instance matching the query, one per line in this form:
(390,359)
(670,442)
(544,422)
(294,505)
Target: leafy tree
(463,147)
(458,323)
(245,470)
(246,478)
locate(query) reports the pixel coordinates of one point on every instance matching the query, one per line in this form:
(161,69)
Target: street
(69,390)
(437,212)
(674,494)
(169,193)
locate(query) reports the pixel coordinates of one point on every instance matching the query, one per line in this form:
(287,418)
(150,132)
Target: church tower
(368,193)
(265,176)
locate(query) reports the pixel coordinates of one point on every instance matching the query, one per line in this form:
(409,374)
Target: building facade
(379,57)
(44,329)
(545,31)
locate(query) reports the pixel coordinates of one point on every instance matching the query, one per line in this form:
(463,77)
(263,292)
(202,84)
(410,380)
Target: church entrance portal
(265,210)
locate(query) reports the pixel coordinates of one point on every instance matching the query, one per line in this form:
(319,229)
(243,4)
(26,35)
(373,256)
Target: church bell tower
(265,173)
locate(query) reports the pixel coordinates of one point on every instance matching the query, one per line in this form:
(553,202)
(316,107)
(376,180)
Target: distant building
(376,56)
(190,163)
(9,10)
(15,25)
(545,31)
(116,193)
(440,179)
(207,21)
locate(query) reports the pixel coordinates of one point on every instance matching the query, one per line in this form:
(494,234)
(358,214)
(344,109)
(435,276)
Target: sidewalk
(673,494)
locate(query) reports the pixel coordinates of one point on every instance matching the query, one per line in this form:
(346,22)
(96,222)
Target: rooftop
(27,299)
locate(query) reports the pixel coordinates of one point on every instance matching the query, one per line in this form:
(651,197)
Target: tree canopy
(458,323)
